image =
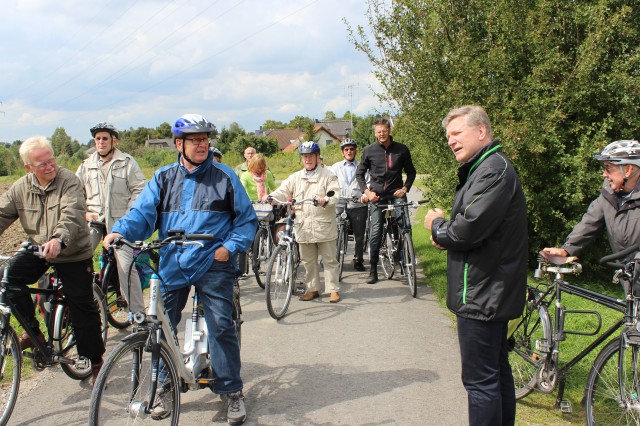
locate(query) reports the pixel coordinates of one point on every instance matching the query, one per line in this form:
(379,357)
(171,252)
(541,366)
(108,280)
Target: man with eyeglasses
(112,181)
(49,202)
(198,196)
(384,160)
(357,212)
(617,208)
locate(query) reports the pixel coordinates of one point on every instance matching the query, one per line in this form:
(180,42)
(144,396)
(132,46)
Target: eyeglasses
(44,164)
(609,168)
(101,138)
(197,141)
(348,149)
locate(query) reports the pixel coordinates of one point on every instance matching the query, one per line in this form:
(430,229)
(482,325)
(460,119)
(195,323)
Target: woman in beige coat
(315,226)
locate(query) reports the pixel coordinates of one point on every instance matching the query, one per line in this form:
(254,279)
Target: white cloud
(73,63)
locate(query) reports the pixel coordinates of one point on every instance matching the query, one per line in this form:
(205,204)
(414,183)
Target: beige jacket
(58,211)
(313,224)
(111,199)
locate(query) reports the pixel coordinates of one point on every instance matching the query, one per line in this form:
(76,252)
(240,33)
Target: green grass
(537,408)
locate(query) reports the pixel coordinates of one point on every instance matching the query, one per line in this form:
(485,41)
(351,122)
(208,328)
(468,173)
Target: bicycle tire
(11,368)
(409,262)
(386,253)
(236,313)
(531,332)
(64,341)
(279,284)
(122,388)
(261,253)
(342,249)
(612,393)
(117,307)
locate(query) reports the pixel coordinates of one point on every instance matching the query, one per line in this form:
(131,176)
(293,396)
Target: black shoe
(373,275)
(358,266)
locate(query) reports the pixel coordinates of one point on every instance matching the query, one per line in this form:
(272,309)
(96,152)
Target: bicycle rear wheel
(262,249)
(613,385)
(342,249)
(64,341)
(10,369)
(121,393)
(117,307)
(409,263)
(387,253)
(236,313)
(527,335)
(279,284)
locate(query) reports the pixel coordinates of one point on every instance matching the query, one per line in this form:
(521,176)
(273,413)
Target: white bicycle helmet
(621,152)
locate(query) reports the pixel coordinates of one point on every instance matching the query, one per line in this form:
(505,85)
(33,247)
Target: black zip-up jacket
(385,168)
(486,240)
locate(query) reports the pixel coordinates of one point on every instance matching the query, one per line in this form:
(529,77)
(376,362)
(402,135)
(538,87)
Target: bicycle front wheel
(121,393)
(613,385)
(279,284)
(10,369)
(261,252)
(409,263)
(236,312)
(64,341)
(527,336)
(387,253)
(342,249)
(117,307)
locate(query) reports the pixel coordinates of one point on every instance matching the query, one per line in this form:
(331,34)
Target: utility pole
(350,89)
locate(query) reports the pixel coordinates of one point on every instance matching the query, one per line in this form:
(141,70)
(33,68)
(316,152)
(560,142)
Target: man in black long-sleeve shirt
(385,161)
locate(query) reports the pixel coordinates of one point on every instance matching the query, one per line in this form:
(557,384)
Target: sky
(73,63)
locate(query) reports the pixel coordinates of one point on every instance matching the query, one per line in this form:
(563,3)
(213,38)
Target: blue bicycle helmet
(104,126)
(309,148)
(192,123)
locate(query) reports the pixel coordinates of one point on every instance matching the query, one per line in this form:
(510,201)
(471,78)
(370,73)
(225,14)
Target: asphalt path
(378,357)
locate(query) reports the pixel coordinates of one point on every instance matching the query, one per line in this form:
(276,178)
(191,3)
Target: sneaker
(236,411)
(359,266)
(163,407)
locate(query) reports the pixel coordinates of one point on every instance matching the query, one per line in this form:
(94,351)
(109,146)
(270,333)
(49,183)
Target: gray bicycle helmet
(216,152)
(348,142)
(309,148)
(621,152)
(104,126)
(192,123)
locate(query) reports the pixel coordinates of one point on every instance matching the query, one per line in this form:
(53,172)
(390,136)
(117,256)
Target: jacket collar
(198,170)
(465,171)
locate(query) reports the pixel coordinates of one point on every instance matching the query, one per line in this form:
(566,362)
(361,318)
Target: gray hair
(476,116)
(32,143)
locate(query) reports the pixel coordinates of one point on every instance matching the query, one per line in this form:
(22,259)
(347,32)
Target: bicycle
(282,270)
(397,243)
(108,280)
(263,243)
(127,389)
(344,228)
(534,341)
(60,346)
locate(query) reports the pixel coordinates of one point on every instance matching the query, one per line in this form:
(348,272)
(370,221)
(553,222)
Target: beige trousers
(309,259)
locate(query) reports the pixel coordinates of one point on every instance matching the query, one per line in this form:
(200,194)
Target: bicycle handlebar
(179,239)
(413,204)
(607,260)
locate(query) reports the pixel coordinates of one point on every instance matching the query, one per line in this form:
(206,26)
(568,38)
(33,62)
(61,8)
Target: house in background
(285,137)
(323,136)
(160,144)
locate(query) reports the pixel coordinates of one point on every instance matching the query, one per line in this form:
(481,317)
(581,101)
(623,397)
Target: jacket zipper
(464,284)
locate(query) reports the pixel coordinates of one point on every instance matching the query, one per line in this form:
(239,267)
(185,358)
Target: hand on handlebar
(555,251)
(50,249)
(371,196)
(110,238)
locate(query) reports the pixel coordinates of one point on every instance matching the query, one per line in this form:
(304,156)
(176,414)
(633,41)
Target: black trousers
(77,279)
(486,373)
(358,219)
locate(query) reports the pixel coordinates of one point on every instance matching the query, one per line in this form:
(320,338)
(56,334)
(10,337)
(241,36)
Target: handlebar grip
(607,259)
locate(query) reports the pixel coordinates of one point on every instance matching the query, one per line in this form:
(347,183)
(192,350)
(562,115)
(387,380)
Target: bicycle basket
(264,211)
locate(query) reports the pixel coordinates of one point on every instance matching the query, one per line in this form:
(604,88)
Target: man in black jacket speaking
(486,243)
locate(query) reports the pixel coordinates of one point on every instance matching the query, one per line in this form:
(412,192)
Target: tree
(559,79)
(329,115)
(266,146)
(300,122)
(272,124)
(61,142)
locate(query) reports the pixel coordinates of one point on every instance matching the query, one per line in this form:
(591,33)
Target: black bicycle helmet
(348,142)
(105,127)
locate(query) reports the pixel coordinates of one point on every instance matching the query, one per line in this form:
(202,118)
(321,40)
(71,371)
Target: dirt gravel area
(11,238)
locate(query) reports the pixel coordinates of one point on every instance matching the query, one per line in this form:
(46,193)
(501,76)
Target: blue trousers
(486,373)
(215,289)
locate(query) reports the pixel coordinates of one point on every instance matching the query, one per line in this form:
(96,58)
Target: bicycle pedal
(565,407)
(299,289)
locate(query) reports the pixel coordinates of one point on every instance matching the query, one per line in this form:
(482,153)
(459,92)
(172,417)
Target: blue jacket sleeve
(140,221)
